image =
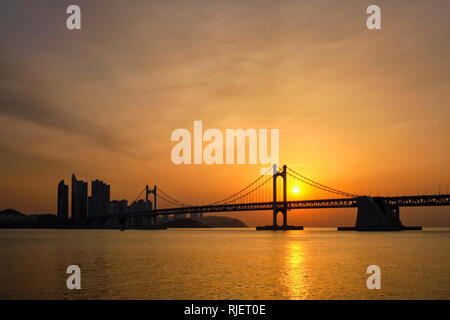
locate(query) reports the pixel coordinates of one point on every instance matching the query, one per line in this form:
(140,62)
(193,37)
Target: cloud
(24,97)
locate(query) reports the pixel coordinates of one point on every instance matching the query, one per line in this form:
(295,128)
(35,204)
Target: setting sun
(295,190)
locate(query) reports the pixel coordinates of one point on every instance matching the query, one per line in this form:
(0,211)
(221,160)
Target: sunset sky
(363,111)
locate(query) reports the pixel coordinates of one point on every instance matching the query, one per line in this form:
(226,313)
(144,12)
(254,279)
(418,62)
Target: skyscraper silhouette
(63,200)
(79,198)
(100,196)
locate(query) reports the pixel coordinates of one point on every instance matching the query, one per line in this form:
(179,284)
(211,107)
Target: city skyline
(97,204)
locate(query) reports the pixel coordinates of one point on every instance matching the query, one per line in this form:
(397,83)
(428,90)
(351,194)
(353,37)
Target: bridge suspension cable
(161,197)
(252,190)
(259,190)
(225,200)
(168,198)
(164,196)
(315,184)
(139,195)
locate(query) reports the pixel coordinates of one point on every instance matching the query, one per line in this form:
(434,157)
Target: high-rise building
(63,200)
(79,198)
(117,207)
(100,195)
(140,206)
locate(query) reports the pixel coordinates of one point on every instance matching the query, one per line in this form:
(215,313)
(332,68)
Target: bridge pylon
(276,207)
(281,206)
(150,218)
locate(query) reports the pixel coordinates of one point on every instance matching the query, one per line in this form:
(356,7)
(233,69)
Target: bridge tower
(276,207)
(151,219)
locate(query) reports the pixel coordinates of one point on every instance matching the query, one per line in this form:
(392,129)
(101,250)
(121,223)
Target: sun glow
(295,190)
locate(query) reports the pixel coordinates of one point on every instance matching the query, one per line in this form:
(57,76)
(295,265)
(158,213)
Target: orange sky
(360,110)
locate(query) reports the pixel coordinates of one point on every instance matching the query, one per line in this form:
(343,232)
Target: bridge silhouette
(266,193)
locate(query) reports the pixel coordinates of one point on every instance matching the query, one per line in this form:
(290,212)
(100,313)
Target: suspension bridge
(268,193)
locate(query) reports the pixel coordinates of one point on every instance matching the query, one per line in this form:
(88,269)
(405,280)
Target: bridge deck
(402,201)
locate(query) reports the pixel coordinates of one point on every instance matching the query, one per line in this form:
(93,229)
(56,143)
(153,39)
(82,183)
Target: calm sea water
(224,264)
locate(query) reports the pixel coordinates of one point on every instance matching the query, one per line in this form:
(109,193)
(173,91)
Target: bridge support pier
(283,211)
(375,214)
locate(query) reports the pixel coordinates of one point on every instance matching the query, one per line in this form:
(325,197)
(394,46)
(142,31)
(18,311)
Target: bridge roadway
(402,201)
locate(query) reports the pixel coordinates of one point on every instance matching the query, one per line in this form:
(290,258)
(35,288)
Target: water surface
(224,264)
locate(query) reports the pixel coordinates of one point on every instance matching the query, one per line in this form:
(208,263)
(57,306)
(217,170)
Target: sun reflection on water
(294,271)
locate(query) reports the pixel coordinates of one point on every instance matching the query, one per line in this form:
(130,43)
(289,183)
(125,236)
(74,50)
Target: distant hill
(10,218)
(11,212)
(222,222)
